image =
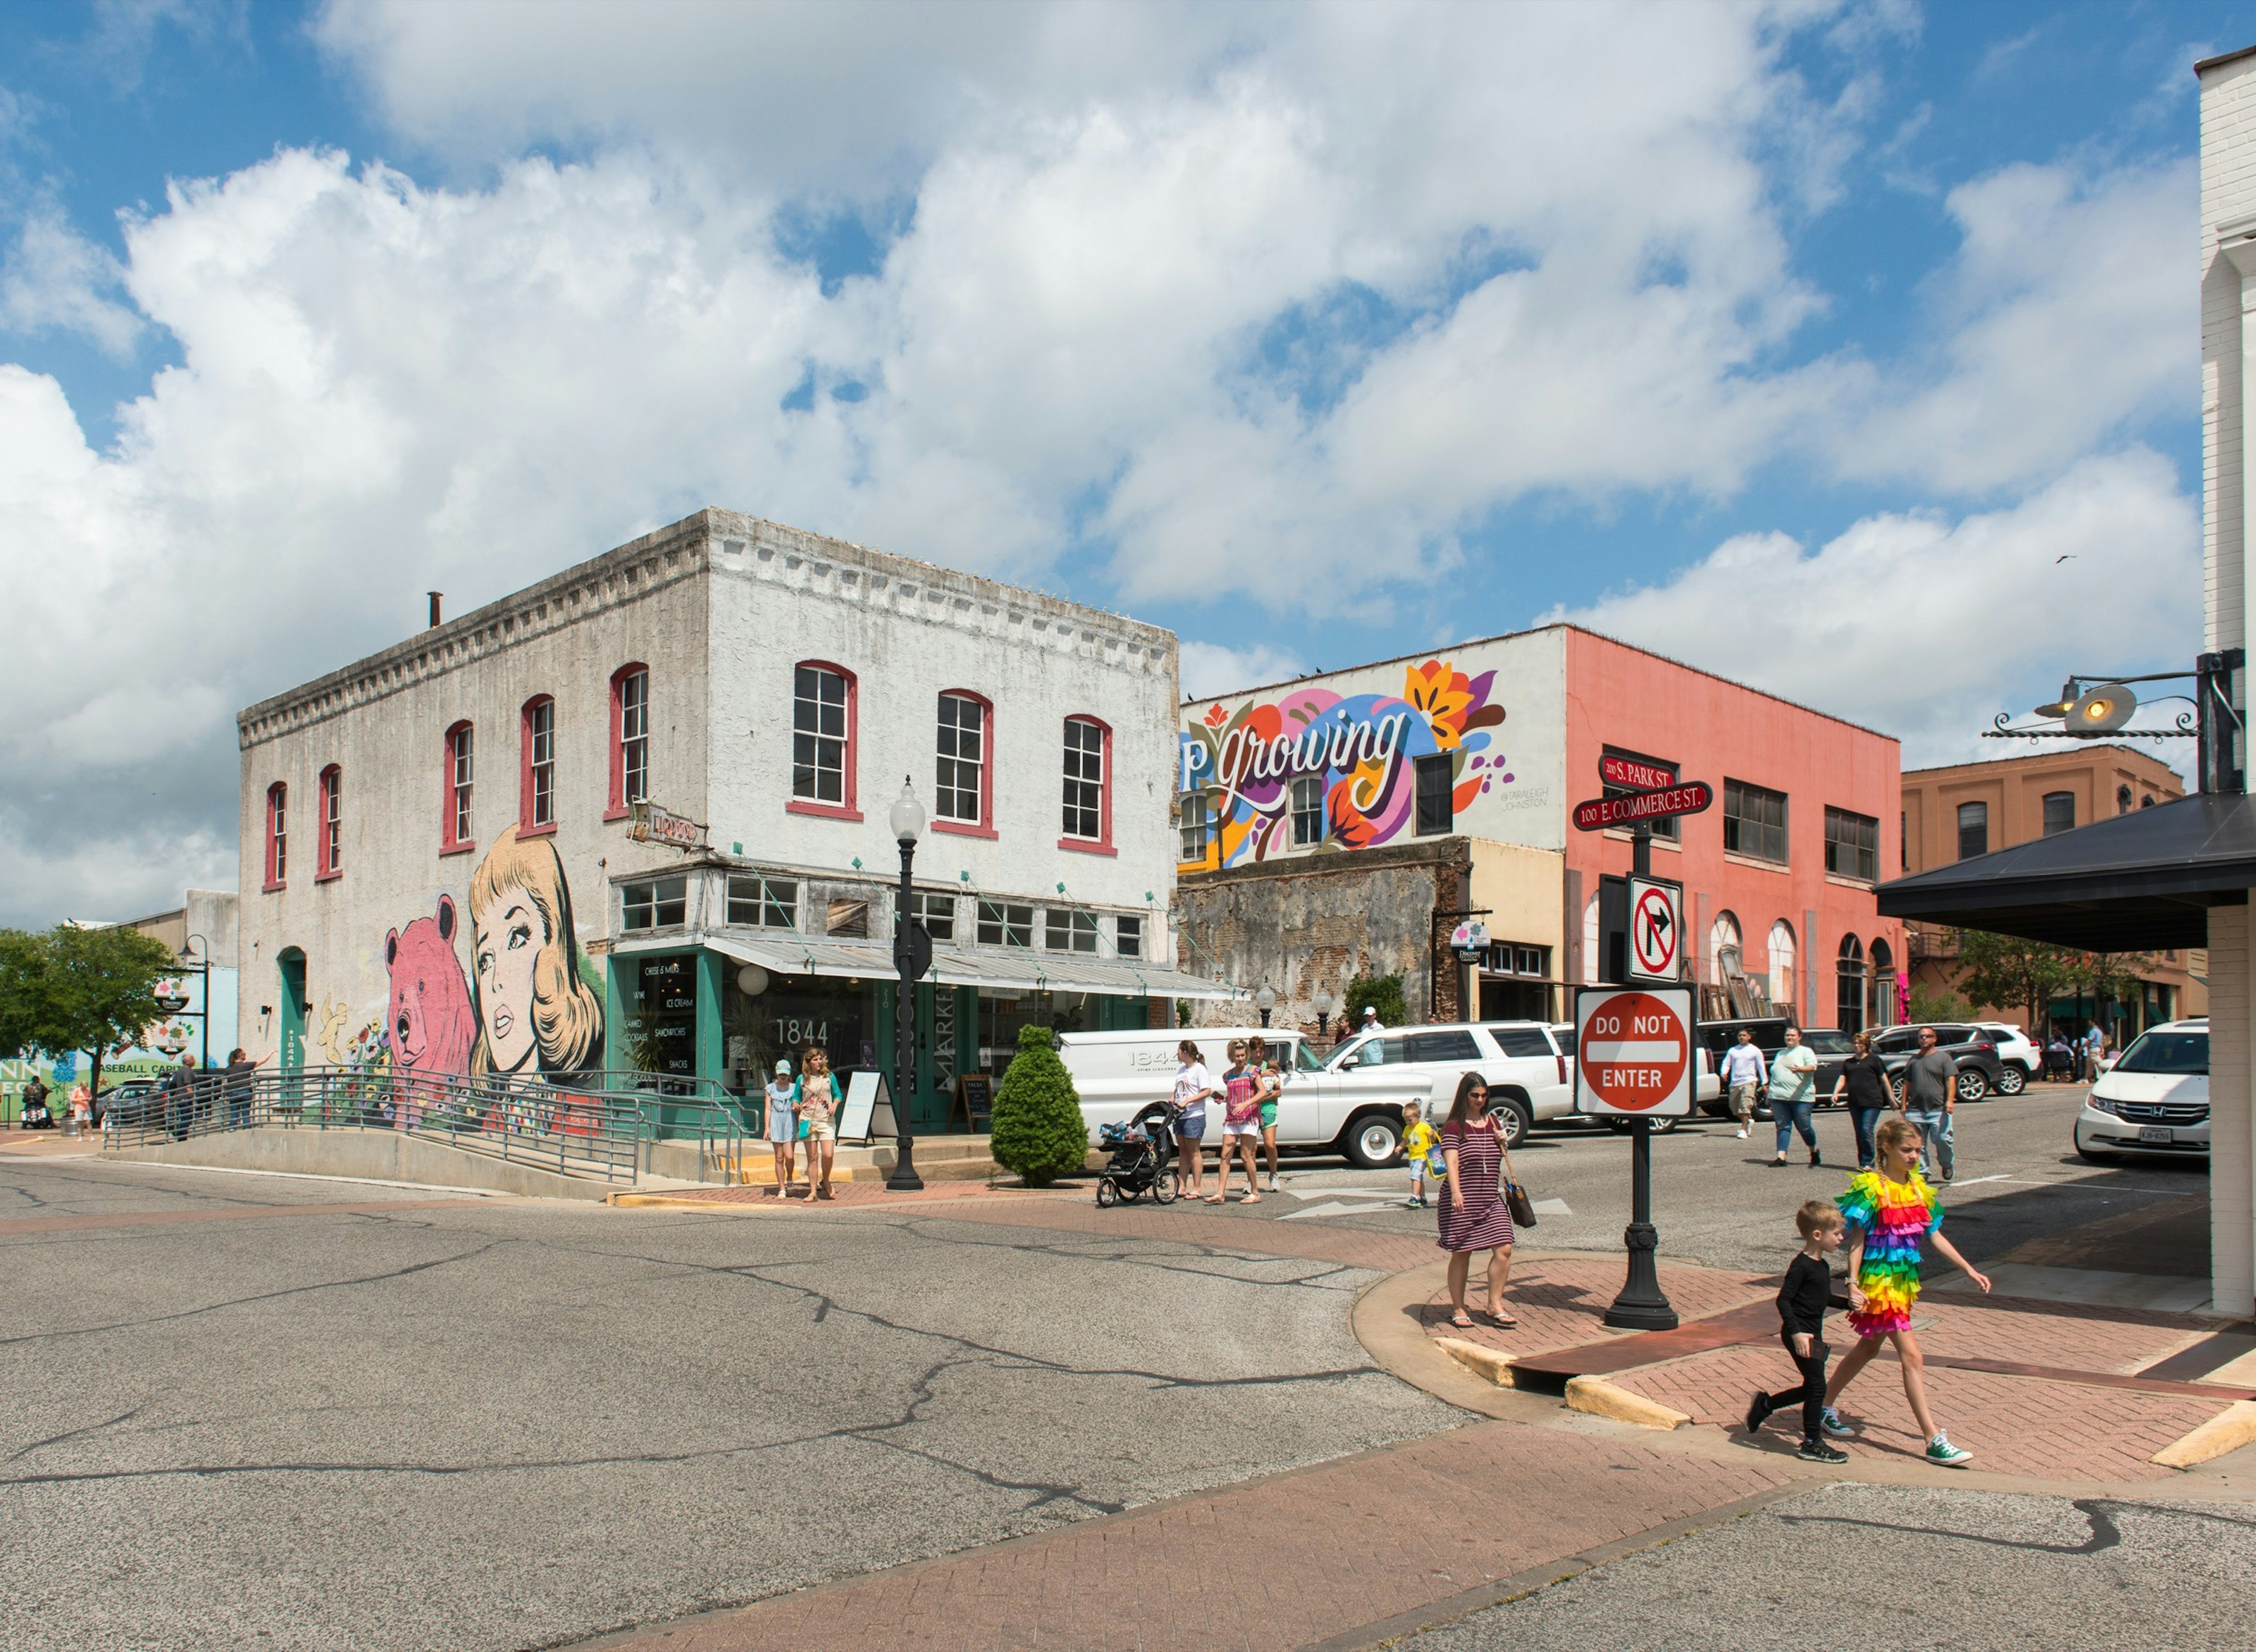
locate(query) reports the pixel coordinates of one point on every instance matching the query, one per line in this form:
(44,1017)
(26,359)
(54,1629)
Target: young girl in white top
(1195,1087)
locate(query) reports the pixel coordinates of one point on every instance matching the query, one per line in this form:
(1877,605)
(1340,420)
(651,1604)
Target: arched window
(536,791)
(1881,1000)
(630,762)
(277,835)
(965,779)
(1781,966)
(824,708)
(1088,786)
(1724,938)
(461,772)
(1848,998)
(2122,800)
(329,846)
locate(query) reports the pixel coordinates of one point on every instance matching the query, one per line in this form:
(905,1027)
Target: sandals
(1502,1322)
(1461,1320)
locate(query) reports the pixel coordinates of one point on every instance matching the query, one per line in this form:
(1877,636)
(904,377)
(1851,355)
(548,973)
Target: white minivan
(1127,1076)
(2153,1100)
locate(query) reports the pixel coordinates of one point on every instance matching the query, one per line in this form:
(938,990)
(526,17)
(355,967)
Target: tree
(1380,992)
(94,990)
(1933,1004)
(22,979)
(1037,1130)
(2006,970)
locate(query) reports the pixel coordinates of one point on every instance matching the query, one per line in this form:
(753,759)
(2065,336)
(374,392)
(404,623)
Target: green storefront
(725,1010)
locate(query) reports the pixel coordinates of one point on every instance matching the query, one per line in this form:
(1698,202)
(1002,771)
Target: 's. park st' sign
(1634,807)
(1636,772)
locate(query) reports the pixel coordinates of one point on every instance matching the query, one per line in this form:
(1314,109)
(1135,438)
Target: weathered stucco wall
(1319,921)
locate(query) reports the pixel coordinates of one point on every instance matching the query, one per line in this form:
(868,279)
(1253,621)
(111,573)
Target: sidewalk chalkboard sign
(975,1099)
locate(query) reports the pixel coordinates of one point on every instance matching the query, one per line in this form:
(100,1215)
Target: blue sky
(1797,341)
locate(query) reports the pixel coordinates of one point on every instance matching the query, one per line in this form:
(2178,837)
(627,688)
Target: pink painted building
(1334,826)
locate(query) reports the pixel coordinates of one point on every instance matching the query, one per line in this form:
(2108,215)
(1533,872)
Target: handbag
(1516,1199)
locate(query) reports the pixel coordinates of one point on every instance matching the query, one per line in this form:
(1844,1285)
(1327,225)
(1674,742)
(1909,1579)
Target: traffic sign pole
(1642,1304)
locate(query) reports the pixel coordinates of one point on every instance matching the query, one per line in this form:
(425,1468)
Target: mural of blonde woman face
(510,933)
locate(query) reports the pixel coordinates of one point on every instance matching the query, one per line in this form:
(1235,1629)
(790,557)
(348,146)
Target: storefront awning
(1008,972)
(2136,883)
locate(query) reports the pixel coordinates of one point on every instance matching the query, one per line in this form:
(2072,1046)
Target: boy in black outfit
(1801,1304)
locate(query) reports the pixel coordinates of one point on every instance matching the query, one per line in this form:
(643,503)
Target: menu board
(667,1014)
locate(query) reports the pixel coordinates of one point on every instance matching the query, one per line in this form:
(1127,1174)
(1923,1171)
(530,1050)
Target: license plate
(2155,1133)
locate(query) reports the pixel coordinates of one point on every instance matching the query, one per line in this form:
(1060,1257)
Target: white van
(1124,1077)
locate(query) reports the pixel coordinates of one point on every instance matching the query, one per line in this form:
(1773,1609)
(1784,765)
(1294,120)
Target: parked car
(1531,1079)
(2153,1100)
(1128,1079)
(128,1102)
(1980,1072)
(2020,1055)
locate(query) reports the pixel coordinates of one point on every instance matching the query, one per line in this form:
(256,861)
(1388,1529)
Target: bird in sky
(2057,561)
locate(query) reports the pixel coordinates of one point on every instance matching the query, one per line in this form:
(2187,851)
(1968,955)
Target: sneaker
(1757,1412)
(1272,1188)
(1816,1159)
(1836,1427)
(1743,1135)
(1942,1451)
(1818,1451)
(1778,1163)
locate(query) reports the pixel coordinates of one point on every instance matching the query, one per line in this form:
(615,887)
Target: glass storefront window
(660,996)
(795,1014)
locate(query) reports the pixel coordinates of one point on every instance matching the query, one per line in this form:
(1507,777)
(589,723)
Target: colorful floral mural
(1364,747)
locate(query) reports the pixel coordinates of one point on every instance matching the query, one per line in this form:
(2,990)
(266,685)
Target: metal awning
(2135,883)
(1011,971)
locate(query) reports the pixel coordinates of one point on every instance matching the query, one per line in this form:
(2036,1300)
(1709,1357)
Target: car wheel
(1973,1084)
(2012,1079)
(1108,1194)
(1374,1141)
(1516,1119)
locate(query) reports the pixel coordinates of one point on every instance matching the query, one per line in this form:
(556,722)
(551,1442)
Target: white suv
(2154,1100)
(2019,1056)
(1531,1079)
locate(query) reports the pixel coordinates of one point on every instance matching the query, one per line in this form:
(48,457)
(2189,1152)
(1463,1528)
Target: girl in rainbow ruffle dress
(1889,1209)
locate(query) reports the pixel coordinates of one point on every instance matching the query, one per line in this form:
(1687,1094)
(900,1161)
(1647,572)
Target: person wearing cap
(783,1125)
(1371,1021)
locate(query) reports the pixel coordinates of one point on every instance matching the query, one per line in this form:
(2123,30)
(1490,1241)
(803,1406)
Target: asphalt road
(1718,1201)
(509,1425)
(1893,1567)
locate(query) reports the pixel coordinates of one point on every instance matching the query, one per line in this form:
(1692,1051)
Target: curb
(1486,1362)
(2228,1430)
(1600,1398)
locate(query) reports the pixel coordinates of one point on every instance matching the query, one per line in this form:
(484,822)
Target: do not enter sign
(1633,1051)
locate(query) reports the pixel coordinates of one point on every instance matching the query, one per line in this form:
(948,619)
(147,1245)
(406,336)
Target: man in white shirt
(1371,1021)
(1744,1075)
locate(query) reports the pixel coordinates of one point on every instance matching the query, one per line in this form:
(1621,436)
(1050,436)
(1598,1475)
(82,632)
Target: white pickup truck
(1352,1102)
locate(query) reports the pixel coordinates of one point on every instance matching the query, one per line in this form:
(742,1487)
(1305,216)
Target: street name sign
(1656,928)
(1633,1051)
(1634,807)
(1635,773)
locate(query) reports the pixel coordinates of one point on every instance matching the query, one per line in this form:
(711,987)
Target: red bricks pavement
(2013,1425)
(1340,1546)
(1558,1300)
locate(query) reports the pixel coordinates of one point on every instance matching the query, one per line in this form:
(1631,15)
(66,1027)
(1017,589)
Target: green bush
(1381,993)
(1038,1130)
(1932,1004)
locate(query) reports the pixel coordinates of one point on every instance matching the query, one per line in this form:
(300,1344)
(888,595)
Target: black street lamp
(912,958)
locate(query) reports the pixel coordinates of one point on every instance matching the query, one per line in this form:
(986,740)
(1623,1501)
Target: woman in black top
(1864,1080)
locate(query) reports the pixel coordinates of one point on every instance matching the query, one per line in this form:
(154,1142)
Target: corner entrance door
(292,964)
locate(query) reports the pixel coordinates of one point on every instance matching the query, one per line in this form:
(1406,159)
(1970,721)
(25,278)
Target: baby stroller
(1136,1165)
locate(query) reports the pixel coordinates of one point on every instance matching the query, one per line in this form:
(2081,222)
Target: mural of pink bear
(431,1024)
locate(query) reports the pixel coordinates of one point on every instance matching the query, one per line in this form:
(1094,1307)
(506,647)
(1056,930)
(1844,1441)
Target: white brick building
(440,860)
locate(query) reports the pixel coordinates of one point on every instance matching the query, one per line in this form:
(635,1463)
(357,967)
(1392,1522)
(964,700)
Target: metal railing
(570,1130)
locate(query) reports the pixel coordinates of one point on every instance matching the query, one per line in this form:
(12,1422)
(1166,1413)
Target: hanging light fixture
(2103,710)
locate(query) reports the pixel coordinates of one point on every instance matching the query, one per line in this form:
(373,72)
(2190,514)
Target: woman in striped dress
(1473,1215)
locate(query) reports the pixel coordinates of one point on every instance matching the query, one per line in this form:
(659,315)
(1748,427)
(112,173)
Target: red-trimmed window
(966,778)
(454,833)
(824,709)
(329,848)
(629,738)
(1088,786)
(536,791)
(277,835)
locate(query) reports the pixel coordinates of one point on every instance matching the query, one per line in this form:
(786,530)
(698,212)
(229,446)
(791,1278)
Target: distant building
(1340,825)
(636,817)
(1965,810)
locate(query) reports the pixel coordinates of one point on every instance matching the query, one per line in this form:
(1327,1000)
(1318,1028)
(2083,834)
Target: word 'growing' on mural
(1361,749)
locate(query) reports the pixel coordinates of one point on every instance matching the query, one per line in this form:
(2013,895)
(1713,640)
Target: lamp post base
(1641,1305)
(904,1178)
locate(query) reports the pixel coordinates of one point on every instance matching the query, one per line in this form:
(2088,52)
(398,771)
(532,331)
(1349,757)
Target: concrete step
(938,1159)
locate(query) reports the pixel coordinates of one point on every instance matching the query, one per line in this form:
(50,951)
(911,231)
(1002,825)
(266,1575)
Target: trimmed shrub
(1381,993)
(1037,1129)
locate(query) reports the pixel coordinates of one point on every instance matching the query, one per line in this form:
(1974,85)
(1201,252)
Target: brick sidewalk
(1281,1562)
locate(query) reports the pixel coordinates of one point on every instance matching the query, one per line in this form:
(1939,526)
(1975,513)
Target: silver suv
(1531,1079)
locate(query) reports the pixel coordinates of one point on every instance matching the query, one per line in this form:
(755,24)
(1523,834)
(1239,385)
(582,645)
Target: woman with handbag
(1474,1216)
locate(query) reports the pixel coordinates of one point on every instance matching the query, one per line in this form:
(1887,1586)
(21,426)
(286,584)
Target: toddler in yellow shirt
(1423,1149)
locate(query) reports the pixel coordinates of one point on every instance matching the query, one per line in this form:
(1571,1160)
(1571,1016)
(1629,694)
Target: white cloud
(1925,627)
(1211,668)
(54,279)
(1111,317)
